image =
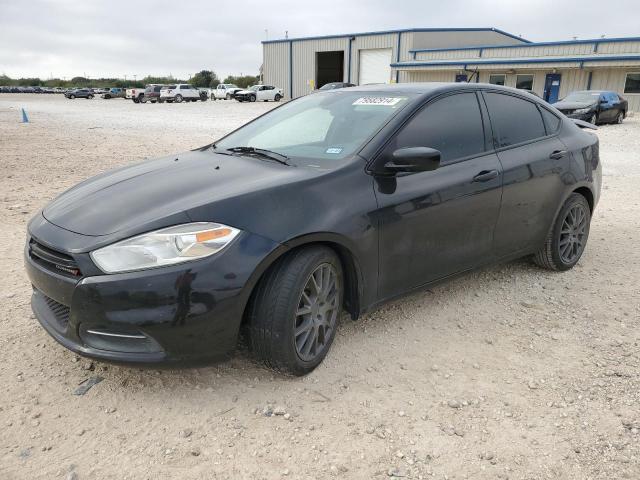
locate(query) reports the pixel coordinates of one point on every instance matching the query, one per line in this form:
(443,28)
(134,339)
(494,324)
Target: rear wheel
(277,97)
(89,97)
(568,237)
(294,311)
(178,99)
(620,117)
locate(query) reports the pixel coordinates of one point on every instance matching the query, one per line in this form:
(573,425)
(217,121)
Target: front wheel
(568,237)
(89,97)
(252,98)
(594,119)
(72,97)
(227,96)
(293,313)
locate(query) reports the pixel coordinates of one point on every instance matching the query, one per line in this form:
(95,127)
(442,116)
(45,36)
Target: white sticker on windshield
(334,150)
(384,101)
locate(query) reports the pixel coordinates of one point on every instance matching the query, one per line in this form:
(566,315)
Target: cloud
(65,38)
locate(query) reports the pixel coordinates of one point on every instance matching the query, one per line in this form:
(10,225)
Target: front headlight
(181,243)
(582,110)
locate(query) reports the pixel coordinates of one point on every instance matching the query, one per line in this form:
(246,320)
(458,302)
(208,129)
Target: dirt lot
(510,372)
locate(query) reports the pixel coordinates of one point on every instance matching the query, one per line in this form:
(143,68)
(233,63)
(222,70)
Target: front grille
(53,260)
(567,112)
(60,313)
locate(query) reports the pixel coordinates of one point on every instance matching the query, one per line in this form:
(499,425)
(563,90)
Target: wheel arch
(350,266)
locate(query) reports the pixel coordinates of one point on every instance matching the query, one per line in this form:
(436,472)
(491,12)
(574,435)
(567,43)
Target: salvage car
(594,106)
(339,200)
(79,93)
(262,93)
(224,91)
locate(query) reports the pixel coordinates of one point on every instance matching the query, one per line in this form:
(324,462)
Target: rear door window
(514,119)
(551,121)
(452,125)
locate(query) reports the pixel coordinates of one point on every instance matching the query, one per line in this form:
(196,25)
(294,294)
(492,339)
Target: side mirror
(413,159)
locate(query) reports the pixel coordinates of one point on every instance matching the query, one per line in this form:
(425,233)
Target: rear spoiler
(583,124)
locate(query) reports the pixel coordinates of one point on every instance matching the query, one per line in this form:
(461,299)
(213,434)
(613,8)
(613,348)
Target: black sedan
(336,85)
(338,200)
(594,106)
(79,93)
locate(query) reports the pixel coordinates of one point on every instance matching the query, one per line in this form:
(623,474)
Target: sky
(67,38)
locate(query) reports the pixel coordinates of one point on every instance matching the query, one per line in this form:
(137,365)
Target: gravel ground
(510,372)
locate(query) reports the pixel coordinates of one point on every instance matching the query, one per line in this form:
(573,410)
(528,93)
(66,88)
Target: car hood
(245,91)
(573,105)
(161,192)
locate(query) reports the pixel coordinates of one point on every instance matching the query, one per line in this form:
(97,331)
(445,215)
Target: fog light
(118,341)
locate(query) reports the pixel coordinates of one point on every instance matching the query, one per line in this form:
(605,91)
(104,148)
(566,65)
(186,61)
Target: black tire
(135,100)
(551,255)
(177,99)
(594,119)
(72,97)
(252,98)
(272,313)
(89,97)
(142,99)
(227,96)
(277,97)
(620,117)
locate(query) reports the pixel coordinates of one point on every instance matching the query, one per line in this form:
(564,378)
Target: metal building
(550,69)
(300,65)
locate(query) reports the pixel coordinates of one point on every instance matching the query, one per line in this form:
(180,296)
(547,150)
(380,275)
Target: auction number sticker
(383,101)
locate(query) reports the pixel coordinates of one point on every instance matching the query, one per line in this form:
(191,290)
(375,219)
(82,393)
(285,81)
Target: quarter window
(452,125)
(497,79)
(514,119)
(551,122)
(632,83)
(524,82)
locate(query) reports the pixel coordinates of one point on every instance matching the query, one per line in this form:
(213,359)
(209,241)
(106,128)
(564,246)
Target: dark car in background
(336,85)
(151,94)
(79,93)
(337,200)
(594,106)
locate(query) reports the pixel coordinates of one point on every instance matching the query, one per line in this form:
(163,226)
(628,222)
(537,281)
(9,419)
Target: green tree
(243,81)
(205,78)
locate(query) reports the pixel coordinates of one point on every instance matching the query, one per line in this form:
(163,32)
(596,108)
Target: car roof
(431,88)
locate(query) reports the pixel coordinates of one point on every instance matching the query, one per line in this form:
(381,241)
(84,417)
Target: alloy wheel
(573,234)
(317,312)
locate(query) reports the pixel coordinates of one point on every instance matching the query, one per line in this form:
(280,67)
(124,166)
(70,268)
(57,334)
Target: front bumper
(184,313)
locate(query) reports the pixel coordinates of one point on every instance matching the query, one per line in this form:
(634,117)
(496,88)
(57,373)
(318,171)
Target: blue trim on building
(595,41)
(517,61)
(406,30)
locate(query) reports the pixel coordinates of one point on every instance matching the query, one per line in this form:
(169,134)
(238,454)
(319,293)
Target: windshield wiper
(261,152)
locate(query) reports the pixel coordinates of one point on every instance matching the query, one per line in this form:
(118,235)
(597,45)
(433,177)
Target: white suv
(180,92)
(224,91)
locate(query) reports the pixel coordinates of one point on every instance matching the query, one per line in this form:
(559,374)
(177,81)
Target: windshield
(254,87)
(582,97)
(326,126)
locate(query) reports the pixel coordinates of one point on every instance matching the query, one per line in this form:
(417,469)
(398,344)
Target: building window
(632,83)
(524,82)
(496,79)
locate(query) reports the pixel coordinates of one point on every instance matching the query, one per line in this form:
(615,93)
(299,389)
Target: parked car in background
(336,85)
(181,92)
(79,93)
(224,91)
(260,93)
(5,89)
(594,106)
(134,94)
(337,200)
(114,93)
(152,94)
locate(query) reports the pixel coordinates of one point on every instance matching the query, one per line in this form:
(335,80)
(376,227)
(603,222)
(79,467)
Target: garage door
(375,66)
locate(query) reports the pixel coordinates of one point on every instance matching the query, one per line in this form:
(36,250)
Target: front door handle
(557,154)
(486,175)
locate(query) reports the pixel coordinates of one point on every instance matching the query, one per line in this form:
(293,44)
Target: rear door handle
(557,154)
(486,175)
